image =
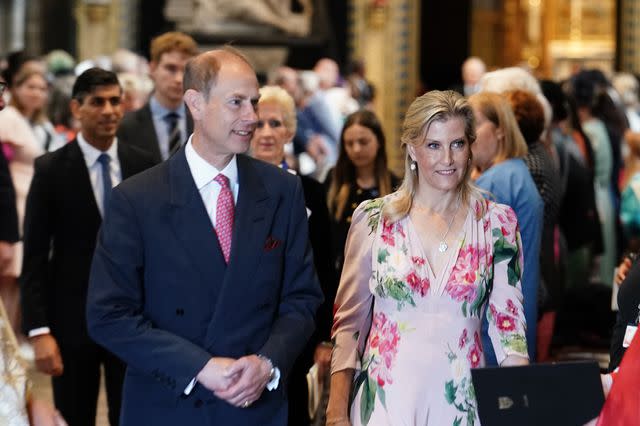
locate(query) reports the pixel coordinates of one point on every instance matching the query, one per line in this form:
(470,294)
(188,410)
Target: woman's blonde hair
(277,95)
(426,109)
(25,73)
(497,110)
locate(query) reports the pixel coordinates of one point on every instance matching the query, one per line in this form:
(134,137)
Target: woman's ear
(499,134)
(412,152)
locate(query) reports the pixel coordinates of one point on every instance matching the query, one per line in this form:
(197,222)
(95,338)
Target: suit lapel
(148,132)
(79,179)
(191,222)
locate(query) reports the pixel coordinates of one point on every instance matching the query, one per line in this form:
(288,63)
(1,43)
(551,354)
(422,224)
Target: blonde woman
(498,155)
(422,266)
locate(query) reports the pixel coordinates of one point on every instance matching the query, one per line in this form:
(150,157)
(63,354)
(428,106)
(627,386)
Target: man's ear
(74,105)
(195,103)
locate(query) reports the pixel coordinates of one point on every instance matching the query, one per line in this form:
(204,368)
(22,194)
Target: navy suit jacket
(162,298)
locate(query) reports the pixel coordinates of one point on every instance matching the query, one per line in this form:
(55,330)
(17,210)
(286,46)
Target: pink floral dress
(413,337)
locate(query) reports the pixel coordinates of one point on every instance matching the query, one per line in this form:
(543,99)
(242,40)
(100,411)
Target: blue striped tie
(104,160)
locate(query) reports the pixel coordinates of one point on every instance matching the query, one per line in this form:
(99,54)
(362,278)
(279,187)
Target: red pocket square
(271,244)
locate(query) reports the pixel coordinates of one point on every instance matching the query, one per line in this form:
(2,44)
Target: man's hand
(317,149)
(7,251)
(214,374)
(322,358)
(47,353)
(622,271)
(254,373)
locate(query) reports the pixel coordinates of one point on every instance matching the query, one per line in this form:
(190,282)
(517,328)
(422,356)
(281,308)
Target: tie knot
(104,159)
(171,118)
(222,180)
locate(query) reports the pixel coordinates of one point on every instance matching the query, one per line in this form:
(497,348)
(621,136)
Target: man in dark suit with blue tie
(68,196)
(203,279)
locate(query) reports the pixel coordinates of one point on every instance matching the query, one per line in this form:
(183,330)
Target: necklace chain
(443,246)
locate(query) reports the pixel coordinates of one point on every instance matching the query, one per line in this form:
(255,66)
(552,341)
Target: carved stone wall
(99,27)
(387,38)
(630,37)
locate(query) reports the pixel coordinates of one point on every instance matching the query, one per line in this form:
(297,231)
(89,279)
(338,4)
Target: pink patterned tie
(224,215)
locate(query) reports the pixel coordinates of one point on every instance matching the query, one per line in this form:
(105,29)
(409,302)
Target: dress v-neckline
(438,283)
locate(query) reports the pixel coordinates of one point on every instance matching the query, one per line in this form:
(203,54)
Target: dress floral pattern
(412,337)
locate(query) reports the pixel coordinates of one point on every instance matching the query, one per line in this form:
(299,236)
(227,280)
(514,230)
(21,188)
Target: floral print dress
(413,337)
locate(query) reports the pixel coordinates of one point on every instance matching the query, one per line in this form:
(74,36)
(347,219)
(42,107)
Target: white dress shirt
(203,174)
(91,155)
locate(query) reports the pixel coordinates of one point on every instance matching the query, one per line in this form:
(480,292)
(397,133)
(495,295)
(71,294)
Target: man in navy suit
(203,280)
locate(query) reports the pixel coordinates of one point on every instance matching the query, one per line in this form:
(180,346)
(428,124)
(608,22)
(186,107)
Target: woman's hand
(338,405)
(341,421)
(514,360)
(43,413)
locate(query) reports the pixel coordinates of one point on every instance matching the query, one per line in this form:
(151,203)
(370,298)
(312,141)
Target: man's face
(227,120)
(99,114)
(167,75)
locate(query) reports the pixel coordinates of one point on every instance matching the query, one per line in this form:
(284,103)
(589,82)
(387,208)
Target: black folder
(563,394)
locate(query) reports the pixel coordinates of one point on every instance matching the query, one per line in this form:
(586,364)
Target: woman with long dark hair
(360,174)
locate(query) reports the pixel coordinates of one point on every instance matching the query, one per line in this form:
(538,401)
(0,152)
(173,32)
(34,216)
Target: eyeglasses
(3,87)
(272,123)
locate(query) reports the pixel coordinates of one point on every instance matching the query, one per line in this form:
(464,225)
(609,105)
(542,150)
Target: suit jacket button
(198,403)
(179,312)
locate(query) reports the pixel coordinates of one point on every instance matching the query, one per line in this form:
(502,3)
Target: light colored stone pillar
(99,27)
(630,40)
(386,34)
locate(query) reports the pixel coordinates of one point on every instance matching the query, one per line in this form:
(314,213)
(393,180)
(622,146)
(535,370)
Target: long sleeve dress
(413,337)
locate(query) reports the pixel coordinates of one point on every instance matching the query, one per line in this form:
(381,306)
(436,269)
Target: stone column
(630,37)
(386,35)
(99,27)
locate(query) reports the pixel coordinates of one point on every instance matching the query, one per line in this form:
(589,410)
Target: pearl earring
(413,166)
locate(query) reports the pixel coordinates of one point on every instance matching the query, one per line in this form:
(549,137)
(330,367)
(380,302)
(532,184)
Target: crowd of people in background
(564,156)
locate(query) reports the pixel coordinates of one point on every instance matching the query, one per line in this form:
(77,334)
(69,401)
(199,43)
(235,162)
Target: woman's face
(270,135)
(486,145)
(31,94)
(443,158)
(361,145)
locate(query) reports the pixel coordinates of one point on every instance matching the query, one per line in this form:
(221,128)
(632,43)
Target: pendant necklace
(443,246)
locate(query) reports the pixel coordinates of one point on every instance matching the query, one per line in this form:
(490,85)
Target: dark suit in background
(137,129)
(8,214)
(61,225)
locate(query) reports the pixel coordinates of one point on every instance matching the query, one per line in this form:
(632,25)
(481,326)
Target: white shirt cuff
(273,384)
(39,331)
(190,386)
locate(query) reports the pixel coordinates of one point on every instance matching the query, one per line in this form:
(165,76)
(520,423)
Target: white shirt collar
(203,172)
(92,153)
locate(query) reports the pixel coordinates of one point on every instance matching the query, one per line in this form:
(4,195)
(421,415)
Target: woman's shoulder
(371,211)
(503,212)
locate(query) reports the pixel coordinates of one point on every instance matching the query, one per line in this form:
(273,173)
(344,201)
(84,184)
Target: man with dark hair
(203,280)
(67,199)
(163,123)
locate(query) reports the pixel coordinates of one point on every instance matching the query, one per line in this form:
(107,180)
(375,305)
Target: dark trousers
(75,393)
